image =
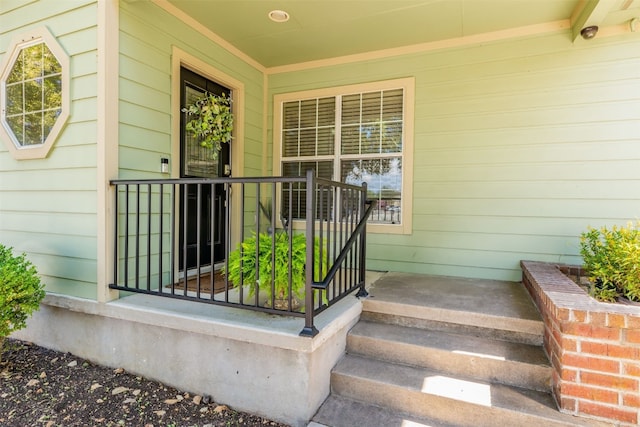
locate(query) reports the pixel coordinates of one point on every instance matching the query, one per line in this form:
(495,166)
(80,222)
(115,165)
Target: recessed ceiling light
(278,16)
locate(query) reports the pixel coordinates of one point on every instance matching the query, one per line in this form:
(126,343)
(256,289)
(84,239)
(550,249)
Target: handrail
(345,250)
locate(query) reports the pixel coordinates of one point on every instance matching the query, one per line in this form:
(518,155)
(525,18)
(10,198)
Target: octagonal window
(34,102)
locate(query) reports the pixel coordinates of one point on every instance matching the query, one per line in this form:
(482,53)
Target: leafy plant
(267,278)
(612,259)
(212,120)
(20,292)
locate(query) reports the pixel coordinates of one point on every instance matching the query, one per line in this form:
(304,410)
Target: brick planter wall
(594,347)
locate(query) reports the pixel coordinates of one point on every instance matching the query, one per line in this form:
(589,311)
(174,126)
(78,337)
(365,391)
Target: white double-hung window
(354,134)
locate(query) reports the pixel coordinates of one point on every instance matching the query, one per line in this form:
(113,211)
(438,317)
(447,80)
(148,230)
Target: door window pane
(198,160)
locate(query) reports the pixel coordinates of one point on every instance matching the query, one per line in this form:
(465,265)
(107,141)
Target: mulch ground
(40,387)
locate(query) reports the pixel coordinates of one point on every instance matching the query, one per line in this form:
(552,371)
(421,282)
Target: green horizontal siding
(147,36)
(48,206)
(519,146)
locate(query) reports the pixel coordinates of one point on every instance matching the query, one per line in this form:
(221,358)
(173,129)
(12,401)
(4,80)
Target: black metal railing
(242,242)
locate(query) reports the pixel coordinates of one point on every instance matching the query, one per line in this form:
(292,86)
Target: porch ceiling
(320,29)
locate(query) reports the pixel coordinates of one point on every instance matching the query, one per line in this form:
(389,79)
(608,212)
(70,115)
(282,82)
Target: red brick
(633,336)
(556,337)
(589,393)
(579,316)
(568,404)
(591,363)
(601,332)
(597,319)
(569,375)
(555,362)
(569,344)
(631,369)
(573,328)
(633,322)
(586,330)
(611,350)
(597,348)
(632,400)
(623,352)
(563,314)
(616,320)
(609,412)
(608,381)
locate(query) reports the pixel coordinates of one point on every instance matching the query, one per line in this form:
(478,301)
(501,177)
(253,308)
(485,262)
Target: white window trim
(408,84)
(37,35)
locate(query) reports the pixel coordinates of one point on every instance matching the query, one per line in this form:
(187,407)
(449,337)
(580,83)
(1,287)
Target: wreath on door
(211,121)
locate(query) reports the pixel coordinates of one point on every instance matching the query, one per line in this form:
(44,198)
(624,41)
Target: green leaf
(20,291)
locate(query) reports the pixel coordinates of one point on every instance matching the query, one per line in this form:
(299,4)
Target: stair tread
(482,297)
(470,392)
(480,347)
(339,411)
(455,316)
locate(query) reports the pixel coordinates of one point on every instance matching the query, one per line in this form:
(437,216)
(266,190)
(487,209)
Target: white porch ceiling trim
(548,27)
(187,19)
(588,12)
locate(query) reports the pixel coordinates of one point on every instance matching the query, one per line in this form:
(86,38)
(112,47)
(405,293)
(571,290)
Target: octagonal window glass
(34,94)
(34,101)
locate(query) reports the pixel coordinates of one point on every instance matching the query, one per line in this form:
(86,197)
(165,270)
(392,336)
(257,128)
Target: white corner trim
(107,141)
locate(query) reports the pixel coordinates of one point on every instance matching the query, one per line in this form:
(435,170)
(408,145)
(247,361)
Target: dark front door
(197,162)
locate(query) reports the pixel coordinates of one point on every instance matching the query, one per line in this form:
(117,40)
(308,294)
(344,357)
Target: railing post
(115,236)
(363,245)
(309,329)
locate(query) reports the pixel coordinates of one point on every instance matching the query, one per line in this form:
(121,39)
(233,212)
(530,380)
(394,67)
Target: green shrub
(612,259)
(20,292)
(242,265)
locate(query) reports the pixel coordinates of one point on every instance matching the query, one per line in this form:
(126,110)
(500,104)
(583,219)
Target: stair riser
(340,412)
(532,336)
(435,407)
(491,370)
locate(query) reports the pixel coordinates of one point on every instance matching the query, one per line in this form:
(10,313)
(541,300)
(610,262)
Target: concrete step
(455,400)
(459,322)
(471,305)
(496,361)
(338,411)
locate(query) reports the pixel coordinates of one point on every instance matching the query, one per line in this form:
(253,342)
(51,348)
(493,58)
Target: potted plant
(211,120)
(257,272)
(20,292)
